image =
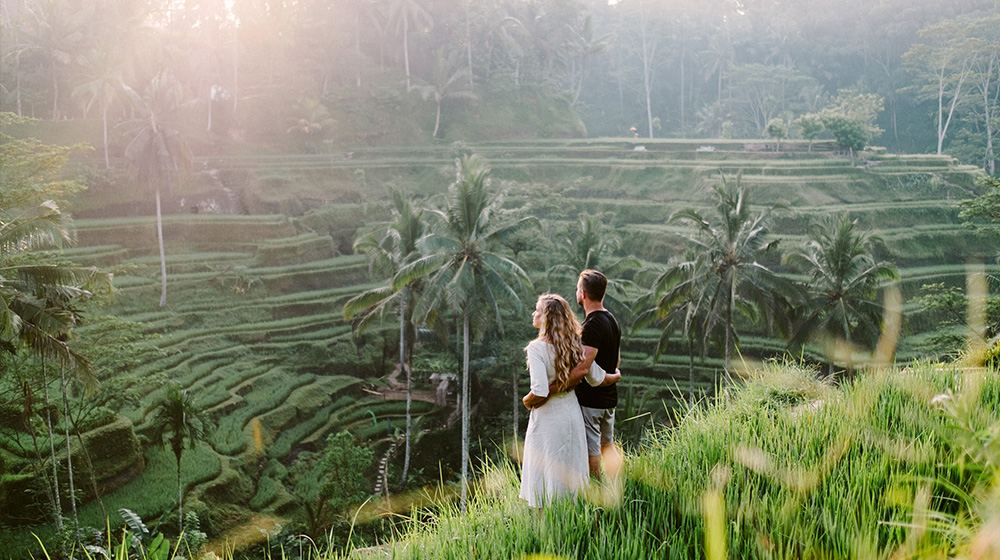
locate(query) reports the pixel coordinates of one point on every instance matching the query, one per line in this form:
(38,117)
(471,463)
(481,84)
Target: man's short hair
(594,284)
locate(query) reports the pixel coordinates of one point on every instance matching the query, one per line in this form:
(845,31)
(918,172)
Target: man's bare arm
(532,400)
(611,378)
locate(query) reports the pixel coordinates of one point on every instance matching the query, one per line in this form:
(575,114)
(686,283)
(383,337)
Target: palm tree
(178,421)
(403,12)
(461,272)
(37,307)
(58,33)
(155,151)
(673,304)
(840,297)
(29,289)
(389,249)
(729,276)
(103,87)
(583,46)
(449,82)
(590,244)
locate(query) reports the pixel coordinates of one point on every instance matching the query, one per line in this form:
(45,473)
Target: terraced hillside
(253,326)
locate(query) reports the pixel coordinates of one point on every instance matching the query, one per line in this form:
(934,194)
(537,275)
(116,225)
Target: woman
(555,447)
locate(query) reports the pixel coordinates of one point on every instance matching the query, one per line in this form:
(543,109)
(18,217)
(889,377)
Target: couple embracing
(569,430)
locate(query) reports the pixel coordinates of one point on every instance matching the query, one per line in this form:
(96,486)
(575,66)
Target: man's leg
(592,426)
(612,460)
(609,452)
(595,465)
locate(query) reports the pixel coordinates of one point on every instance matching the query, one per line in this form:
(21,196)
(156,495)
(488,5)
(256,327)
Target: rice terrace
(228,329)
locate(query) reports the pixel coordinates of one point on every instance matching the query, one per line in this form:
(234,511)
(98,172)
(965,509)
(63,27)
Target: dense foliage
(391,72)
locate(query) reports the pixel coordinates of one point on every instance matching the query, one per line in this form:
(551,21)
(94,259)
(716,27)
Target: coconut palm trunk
(690,344)
(406,51)
(104,120)
(729,331)
(50,493)
(516,409)
(408,370)
(465,407)
(90,469)
(57,502)
(178,446)
(69,454)
(163,255)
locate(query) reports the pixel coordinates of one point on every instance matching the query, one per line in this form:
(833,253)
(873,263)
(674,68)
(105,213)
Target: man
(601,343)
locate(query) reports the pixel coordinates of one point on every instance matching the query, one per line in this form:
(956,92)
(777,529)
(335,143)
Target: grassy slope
(899,464)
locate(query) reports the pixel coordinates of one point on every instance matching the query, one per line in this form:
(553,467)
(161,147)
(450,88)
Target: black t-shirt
(601,331)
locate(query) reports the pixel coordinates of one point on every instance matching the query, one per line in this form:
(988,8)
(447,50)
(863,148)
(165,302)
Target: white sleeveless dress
(555,446)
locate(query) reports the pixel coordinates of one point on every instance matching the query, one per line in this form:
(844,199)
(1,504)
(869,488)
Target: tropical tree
(583,46)
(777,129)
(103,87)
(35,294)
(449,82)
(404,13)
(37,308)
(157,152)
(673,305)
(944,63)
(844,279)
(590,244)
(311,119)
(389,249)
(57,32)
(178,421)
(730,278)
(326,484)
(646,44)
(810,126)
(462,272)
(38,296)
(534,36)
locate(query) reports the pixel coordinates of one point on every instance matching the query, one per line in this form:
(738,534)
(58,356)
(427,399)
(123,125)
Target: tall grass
(899,464)
(892,464)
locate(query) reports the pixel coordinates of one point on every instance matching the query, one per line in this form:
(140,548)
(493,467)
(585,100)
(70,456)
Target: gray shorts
(600,426)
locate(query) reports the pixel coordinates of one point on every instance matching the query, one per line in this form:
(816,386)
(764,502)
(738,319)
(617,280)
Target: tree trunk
(465,409)
(40,466)
(409,386)
(683,52)
(236,67)
(69,455)
(90,469)
(437,119)
(729,330)
(55,92)
(163,255)
(17,61)
(987,116)
(52,450)
(517,408)
(468,41)
(104,120)
(406,50)
(357,42)
(180,498)
(208,128)
(690,370)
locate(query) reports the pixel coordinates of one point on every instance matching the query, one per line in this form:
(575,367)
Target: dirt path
(242,537)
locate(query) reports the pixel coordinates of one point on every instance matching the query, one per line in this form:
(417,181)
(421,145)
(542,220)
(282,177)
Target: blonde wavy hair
(560,327)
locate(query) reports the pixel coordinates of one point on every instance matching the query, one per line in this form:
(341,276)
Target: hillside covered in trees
(292,75)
